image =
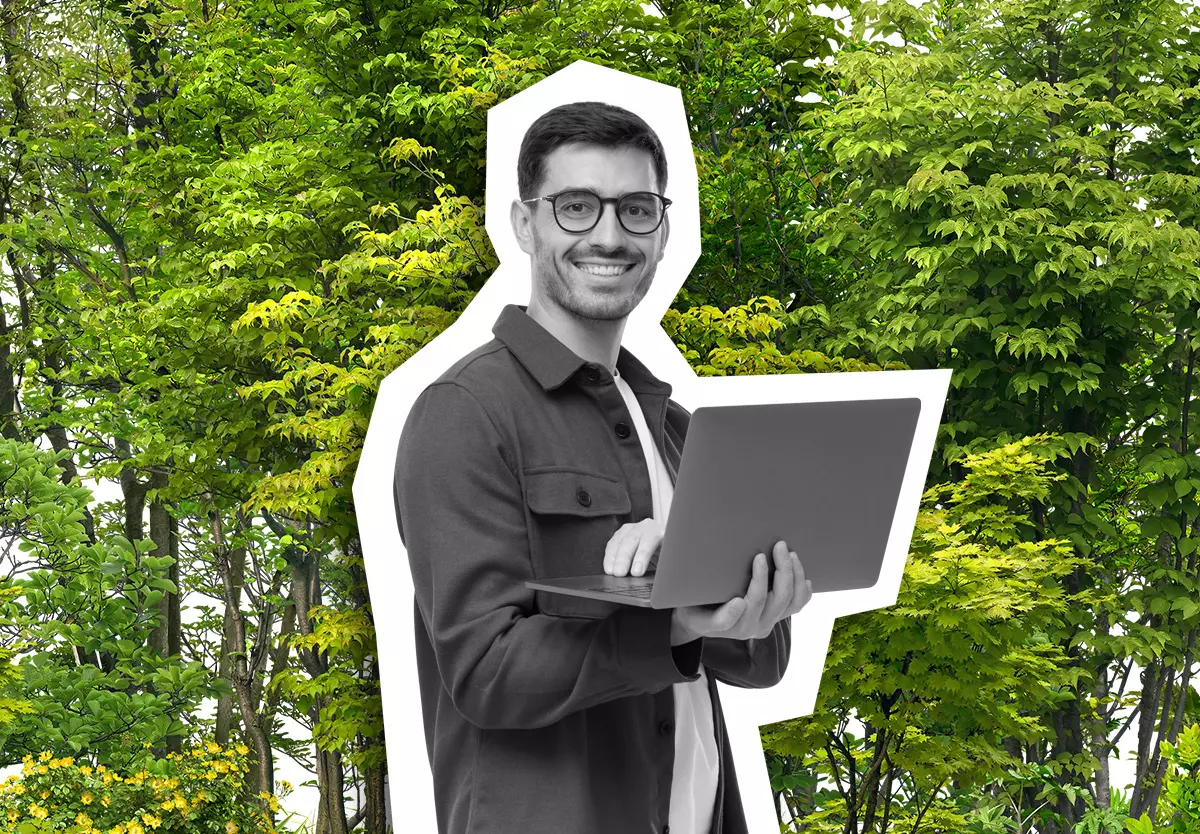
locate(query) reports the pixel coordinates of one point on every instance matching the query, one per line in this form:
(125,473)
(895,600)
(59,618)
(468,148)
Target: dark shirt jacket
(547,714)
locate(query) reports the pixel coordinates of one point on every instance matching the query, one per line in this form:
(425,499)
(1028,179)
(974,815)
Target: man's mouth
(603,268)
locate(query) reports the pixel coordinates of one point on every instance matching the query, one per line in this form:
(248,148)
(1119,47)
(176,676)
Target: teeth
(602,269)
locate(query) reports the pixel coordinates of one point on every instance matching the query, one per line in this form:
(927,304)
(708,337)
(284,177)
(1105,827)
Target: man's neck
(589,339)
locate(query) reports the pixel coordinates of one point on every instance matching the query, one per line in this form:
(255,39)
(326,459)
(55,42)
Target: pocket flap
(563,491)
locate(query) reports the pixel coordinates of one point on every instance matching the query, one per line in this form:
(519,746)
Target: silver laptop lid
(824,477)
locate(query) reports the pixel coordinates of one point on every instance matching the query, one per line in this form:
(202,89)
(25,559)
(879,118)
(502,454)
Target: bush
(201,790)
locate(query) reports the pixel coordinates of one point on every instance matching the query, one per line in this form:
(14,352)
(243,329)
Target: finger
(727,616)
(756,594)
(708,620)
(781,587)
(646,548)
(613,549)
(609,552)
(623,554)
(803,587)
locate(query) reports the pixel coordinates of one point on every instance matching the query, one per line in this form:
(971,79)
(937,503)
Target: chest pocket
(573,514)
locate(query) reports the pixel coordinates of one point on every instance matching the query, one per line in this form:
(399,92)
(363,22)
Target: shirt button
(583,498)
(666,829)
(622,431)
(591,375)
(666,728)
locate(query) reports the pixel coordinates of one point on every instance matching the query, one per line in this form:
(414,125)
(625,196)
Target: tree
(917,699)
(1002,214)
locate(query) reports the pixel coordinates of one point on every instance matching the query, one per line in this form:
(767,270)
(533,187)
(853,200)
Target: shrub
(201,790)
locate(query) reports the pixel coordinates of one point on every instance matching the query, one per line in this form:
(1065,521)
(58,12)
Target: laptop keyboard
(640,591)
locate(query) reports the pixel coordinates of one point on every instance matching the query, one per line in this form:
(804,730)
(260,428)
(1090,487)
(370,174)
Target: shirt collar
(552,363)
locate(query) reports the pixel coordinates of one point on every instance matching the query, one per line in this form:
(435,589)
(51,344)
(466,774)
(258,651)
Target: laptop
(824,477)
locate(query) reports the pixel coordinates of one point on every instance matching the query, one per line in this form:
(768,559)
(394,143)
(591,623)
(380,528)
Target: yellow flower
(242,749)
(18,788)
(135,828)
(101,768)
(42,769)
(197,752)
(85,770)
(37,811)
(151,820)
(45,755)
(104,800)
(231,827)
(273,804)
(210,775)
(45,794)
(12,814)
(213,747)
(86,798)
(83,819)
(220,767)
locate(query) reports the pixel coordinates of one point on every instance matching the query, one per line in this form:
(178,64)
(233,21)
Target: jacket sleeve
(462,519)
(749,664)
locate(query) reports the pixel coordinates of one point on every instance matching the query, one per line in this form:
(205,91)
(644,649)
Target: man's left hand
(754,615)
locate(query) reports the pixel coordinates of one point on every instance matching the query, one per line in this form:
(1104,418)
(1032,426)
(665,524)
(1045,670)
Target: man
(551,451)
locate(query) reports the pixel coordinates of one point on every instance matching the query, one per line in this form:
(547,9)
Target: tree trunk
(160,534)
(262,775)
(237,568)
(306,593)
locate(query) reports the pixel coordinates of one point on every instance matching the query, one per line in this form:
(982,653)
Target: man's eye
(635,211)
(576,208)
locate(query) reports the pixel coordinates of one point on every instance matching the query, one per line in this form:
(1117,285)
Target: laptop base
(623,590)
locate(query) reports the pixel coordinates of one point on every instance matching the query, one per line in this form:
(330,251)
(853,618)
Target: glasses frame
(604,201)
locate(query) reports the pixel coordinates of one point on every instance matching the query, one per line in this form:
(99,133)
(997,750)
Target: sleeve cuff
(687,658)
(644,652)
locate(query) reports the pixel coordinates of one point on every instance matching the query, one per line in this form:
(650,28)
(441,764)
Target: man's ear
(521,215)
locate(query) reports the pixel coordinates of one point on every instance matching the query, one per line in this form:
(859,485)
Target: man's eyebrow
(598,190)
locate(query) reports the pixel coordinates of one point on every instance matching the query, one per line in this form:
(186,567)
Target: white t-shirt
(697,760)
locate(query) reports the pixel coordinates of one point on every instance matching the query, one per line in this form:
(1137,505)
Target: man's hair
(584,122)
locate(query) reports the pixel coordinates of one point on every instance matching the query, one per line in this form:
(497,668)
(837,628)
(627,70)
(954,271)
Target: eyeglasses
(578,211)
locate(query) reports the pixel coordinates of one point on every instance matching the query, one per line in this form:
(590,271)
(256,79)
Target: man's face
(604,273)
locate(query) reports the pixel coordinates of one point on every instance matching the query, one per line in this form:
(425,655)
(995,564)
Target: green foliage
(80,600)
(1010,193)
(351,709)
(11,709)
(1180,809)
(920,695)
(750,338)
(202,310)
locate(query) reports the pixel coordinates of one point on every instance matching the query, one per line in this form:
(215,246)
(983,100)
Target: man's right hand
(754,615)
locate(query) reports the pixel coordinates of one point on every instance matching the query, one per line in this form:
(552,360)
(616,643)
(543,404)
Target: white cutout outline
(386,562)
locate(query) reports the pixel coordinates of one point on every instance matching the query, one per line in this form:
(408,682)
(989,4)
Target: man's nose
(608,232)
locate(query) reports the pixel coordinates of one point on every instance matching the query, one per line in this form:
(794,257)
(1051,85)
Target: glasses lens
(640,212)
(577,210)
